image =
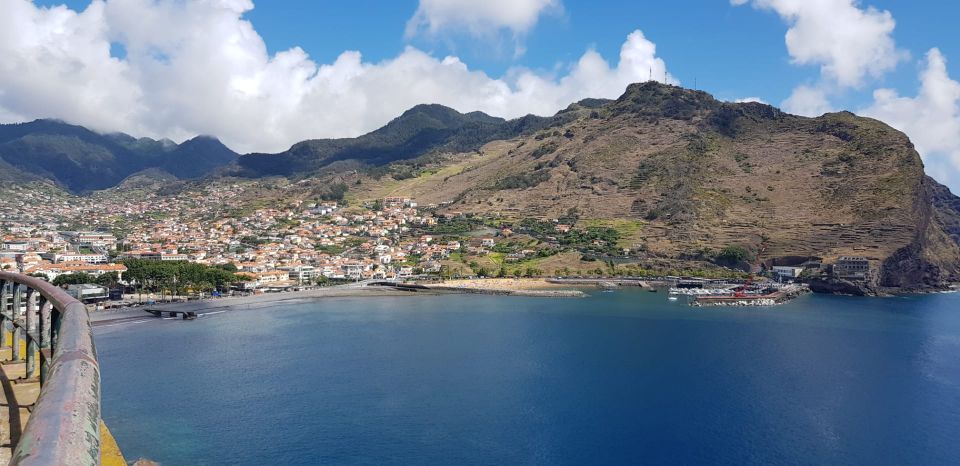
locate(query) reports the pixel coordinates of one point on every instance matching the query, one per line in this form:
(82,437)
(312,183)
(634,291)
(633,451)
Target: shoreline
(521,288)
(243,302)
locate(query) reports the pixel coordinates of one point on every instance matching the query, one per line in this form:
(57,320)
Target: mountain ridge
(82,160)
(690,175)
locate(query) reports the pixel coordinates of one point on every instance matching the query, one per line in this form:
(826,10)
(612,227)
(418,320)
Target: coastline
(242,302)
(500,287)
(531,287)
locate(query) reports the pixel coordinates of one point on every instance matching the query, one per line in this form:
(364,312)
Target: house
(88,293)
(855,268)
(52,271)
(272,277)
(300,273)
(786,272)
(91,239)
(76,257)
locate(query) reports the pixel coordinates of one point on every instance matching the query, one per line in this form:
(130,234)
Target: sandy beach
(535,287)
(506,284)
(247,302)
(530,287)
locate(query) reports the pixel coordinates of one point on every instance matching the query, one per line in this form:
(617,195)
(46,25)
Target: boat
(672,298)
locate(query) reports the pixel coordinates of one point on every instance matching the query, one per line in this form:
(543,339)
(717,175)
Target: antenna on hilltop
(651,74)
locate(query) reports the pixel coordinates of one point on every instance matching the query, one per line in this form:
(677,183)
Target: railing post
(55,317)
(31,322)
(3,312)
(17,355)
(45,328)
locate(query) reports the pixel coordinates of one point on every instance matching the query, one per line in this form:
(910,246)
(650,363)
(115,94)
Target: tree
(229,267)
(733,255)
(109,279)
(73,279)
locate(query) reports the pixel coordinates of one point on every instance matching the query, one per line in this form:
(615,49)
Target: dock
(186,315)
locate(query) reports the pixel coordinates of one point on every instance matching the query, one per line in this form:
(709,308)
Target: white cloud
(750,99)
(849,43)
(931,118)
(807,101)
(479,17)
(198,67)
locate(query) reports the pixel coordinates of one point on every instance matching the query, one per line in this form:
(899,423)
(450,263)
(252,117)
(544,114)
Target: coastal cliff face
(694,175)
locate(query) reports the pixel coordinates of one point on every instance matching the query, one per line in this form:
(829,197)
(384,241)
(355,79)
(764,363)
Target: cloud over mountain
(931,118)
(199,67)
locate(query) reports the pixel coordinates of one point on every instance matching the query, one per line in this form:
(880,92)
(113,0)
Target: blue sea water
(616,378)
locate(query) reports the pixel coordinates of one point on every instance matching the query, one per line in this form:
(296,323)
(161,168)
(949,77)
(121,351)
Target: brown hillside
(699,175)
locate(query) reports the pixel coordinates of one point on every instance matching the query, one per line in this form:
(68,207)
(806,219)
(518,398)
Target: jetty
(186,315)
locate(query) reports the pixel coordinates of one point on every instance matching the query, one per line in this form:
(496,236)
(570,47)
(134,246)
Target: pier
(186,315)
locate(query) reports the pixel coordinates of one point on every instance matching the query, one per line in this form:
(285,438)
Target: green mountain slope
(422,130)
(82,160)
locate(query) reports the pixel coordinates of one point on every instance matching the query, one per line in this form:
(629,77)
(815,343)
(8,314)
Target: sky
(264,75)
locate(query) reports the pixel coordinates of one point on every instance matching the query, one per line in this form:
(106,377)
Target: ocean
(615,378)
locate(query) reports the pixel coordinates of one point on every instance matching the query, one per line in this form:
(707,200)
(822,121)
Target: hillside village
(305,243)
(316,242)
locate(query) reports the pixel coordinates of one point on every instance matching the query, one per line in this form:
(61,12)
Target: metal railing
(64,424)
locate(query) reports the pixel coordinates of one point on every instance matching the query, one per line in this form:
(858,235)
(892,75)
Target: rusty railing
(64,424)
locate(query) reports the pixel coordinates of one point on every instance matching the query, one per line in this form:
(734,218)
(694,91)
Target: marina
(748,294)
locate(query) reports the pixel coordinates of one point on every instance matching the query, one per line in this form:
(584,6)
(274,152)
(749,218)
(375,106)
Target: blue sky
(262,75)
(732,52)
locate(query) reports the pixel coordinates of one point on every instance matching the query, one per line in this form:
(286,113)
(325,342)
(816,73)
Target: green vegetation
(83,160)
(455,226)
(73,279)
(744,162)
(732,255)
(332,250)
(178,276)
(522,180)
(592,240)
(334,192)
(544,149)
(595,240)
(420,131)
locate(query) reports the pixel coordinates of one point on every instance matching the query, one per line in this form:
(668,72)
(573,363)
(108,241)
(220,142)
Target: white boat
(672,298)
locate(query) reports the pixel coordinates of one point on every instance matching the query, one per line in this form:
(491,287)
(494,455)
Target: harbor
(747,294)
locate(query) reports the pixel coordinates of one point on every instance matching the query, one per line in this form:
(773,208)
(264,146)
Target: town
(301,244)
(213,240)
